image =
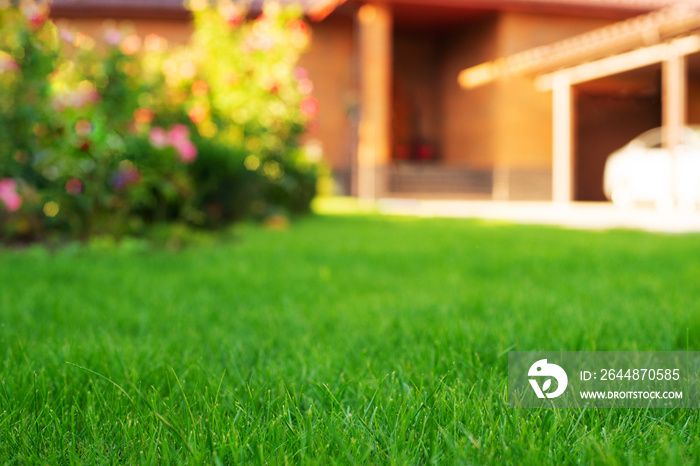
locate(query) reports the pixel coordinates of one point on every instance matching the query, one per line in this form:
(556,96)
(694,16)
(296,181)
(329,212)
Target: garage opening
(693,88)
(609,113)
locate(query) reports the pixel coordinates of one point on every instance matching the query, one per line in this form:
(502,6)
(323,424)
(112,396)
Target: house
(437,98)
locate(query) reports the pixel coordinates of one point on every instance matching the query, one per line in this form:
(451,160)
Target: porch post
(562,139)
(674,107)
(375,51)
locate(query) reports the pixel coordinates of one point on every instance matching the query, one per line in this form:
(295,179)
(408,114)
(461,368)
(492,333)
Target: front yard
(343,339)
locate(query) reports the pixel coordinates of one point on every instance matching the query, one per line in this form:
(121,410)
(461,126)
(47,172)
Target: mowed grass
(345,339)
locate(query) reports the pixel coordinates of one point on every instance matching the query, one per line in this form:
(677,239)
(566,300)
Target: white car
(644,172)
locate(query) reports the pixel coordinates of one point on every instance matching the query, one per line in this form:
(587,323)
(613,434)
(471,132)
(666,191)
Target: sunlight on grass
(342,205)
(344,339)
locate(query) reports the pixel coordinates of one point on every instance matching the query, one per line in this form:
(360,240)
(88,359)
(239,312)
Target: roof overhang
(619,47)
(620,63)
(317,10)
(620,8)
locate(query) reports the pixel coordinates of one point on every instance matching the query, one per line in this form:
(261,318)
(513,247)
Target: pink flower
(187,150)
(8,194)
(79,97)
(233,14)
(84,95)
(178,138)
(66,35)
(158,137)
(36,13)
(74,186)
(235,21)
(113,37)
(38,20)
(178,133)
(300,73)
(309,107)
(7,63)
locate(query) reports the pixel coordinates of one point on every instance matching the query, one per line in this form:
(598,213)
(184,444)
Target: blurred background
(120,114)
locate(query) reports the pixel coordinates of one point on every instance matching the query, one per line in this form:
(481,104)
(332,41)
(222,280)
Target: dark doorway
(416,97)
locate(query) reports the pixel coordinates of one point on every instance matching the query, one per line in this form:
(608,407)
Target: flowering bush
(105,176)
(28,54)
(249,109)
(8,194)
(107,136)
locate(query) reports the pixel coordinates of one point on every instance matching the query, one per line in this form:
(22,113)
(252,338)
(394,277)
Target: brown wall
(505,126)
(523,148)
(506,123)
(525,114)
(469,117)
(330,62)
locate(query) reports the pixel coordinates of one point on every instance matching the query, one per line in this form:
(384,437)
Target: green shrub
(28,55)
(109,137)
(249,102)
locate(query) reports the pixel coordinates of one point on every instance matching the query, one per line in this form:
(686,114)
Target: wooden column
(674,106)
(562,130)
(375,63)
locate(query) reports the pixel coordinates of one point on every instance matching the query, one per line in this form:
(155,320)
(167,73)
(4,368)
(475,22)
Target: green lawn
(345,339)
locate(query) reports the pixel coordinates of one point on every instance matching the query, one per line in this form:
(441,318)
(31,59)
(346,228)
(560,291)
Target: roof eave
(621,37)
